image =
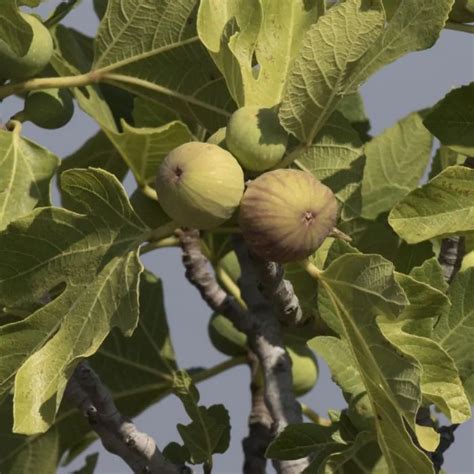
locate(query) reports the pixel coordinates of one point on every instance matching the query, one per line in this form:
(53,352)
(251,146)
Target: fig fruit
(49,108)
(256,138)
(463,11)
(304,368)
(35,59)
(199,185)
(285,215)
(225,337)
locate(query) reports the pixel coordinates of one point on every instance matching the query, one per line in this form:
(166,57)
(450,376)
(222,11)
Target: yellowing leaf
(324,64)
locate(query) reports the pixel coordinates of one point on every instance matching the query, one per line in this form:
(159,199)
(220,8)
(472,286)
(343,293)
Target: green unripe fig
(304,368)
(49,108)
(360,412)
(256,138)
(285,215)
(199,185)
(35,59)
(225,337)
(463,11)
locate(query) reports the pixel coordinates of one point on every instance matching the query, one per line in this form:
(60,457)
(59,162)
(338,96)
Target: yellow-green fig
(35,59)
(49,108)
(199,185)
(463,11)
(285,215)
(225,337)
(304,368)
(256,138)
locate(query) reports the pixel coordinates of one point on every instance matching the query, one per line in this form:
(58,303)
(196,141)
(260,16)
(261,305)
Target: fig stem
(162,232)
(19,116)
(311,269)
(451,25)
(160,244)
(149,192)
(338,234)
(48,83)
(313,416)
(290,157)
(230,285)
(219,368)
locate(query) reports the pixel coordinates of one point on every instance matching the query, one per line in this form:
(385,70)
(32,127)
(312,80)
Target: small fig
(304,368)
(285,215)
(463,11)
(225,337)
(35,59)
(256,138)
(49,108)
(199,185)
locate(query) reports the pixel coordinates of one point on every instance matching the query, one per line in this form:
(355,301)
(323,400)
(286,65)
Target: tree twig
(118,434)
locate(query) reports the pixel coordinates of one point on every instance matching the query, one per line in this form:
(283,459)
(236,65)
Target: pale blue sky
(417,81)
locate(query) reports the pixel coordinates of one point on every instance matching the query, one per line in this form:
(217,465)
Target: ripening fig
(35,59)
(285,215)
(304,368)
(225,337)
(199,185)
(256,138)
(49,108)
(463,11)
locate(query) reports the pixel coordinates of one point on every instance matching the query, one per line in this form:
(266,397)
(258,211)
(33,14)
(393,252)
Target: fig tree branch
(278,291)
(260,424)
(259,324)
(266,341)
(118,434)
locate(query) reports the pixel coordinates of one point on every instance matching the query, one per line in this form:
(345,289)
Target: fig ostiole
(286,214)
(199,185)
(35,59)
(49,108)
(256,138)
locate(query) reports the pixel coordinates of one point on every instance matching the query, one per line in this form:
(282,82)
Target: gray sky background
(419,80)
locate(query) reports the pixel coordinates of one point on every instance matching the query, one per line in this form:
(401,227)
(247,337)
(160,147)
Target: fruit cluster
(285,214)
